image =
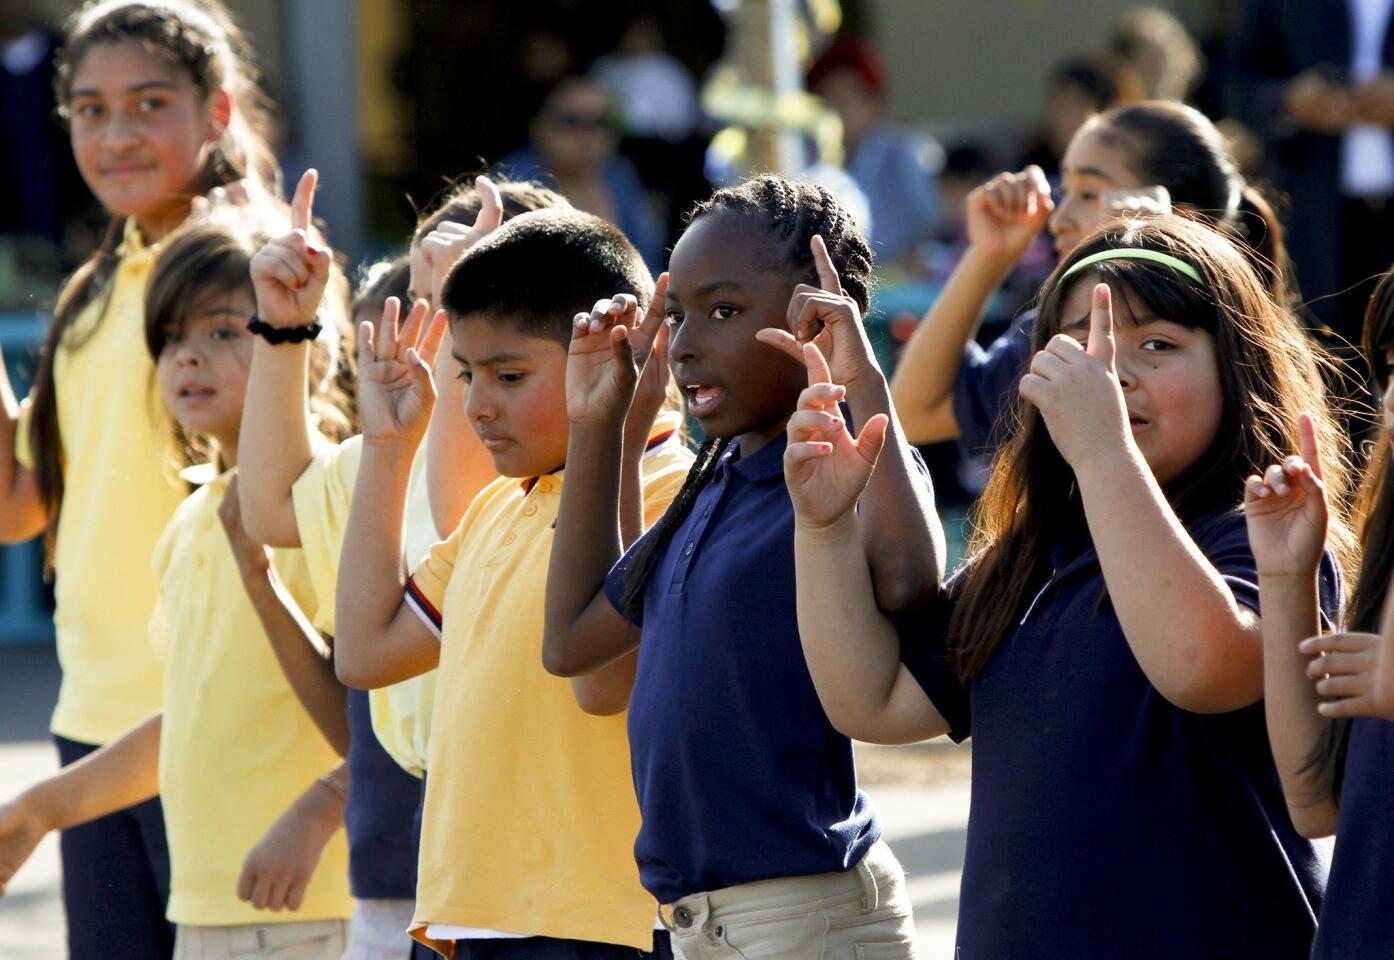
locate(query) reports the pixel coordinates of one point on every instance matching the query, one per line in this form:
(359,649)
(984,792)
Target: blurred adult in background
(1153,56)
(1315,79)
(45,209)
(1077,89)
(896,169)
(572,144)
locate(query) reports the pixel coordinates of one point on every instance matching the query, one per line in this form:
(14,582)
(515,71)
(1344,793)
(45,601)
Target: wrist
(47,802)
(868,394)
(838,531)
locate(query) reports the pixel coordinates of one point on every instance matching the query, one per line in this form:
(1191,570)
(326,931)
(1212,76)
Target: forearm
(585,545)
(928,366)
(1196,645)
(303,658)
(606,691)
(852,650)
(1290,615)
(631,512)
(274,445)
(122,773)
(372,575)
(900,528)
(21,509)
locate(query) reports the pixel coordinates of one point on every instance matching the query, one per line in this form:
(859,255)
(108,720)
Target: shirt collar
(663,432)
(207,475)
(132,240)
(764,464)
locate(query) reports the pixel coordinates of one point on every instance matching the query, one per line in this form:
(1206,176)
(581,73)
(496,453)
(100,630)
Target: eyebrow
(493,361)
(136,88)
(1088,172)
(1134,320)
(707,289)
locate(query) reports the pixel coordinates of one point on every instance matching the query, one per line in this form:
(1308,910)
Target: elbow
(1313,822)
(1211,690)
(557,659)
(353,672)
(600,702)
(907,586)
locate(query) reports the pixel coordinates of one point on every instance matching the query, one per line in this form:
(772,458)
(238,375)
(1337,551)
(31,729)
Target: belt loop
(871,894)
(263,946)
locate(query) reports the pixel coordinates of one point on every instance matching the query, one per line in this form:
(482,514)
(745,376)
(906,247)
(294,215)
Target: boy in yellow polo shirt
(530,817)
(251,782)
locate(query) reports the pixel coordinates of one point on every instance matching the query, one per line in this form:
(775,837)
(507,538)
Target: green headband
(1135,253)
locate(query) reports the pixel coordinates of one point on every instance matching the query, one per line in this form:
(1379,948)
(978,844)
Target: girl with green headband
(1140,159)
(1102,645)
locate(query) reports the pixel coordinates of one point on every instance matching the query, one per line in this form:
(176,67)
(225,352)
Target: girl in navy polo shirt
(755,839)
(1336,757)
(1102,645)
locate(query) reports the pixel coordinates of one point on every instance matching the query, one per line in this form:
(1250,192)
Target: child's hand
(1286,511)
(650,393)
(1356,670)
(607,352)
(278,871)
(1077,390)
(826,317)
(290,272)
(21,829)
(395,391)
(443,247)
(253,559)
(825,467)
(1153,201)
(1006,213)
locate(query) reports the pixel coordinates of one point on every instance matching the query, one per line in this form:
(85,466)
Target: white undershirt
(1367,149)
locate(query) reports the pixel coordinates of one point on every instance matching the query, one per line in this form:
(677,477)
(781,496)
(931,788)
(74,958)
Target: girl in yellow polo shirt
(251,780)
(162,105)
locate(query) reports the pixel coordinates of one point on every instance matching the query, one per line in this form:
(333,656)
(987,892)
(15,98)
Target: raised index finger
(1307,442)
(303,203)
(490,205)
(827,273)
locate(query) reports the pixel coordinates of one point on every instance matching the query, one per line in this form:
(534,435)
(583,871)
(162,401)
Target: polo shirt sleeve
(24,451)
(425,594)
(986,385)
(1225,543)
(321,497)
(614,581)
(924,652)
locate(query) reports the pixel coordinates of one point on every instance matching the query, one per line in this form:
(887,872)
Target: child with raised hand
(752,820)
(251,782)
(548,872)
(1102,645)
(1140,159)
(162,105)
(1326,696)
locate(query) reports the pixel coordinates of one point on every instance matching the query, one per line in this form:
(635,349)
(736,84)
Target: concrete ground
(921,793)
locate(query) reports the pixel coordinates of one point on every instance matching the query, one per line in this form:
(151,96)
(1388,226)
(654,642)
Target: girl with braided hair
(755,839)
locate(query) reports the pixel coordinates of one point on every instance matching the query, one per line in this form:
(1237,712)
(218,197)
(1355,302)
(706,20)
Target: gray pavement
(921,793)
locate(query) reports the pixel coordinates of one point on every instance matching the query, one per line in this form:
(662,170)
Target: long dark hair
(1177,147)
(1269,372)
(789,213)
(1374,513)
(203,41)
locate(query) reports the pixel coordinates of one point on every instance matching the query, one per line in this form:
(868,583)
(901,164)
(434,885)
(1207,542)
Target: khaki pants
(863,914)
(298,940)
(378,930)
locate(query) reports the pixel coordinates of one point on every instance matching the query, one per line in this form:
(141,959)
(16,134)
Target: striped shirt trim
(656,442)
(424,609)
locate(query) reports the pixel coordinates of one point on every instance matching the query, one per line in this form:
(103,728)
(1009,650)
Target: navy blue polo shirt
(739,774)
(1355,918)
(378,816)
(986,386)
(1105,821)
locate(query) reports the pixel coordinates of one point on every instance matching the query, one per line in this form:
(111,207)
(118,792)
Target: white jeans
(297,940)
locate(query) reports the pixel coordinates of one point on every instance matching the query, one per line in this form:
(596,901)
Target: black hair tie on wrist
(279,335)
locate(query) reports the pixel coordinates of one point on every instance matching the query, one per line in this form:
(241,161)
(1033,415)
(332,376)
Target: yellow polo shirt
(236,748)
(322,495)
(119,492)
(530,811)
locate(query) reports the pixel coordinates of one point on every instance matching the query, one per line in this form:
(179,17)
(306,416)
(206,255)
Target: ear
(219,113)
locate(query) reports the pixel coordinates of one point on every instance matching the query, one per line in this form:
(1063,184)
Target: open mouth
(1138,423)
(196,393)
(702,399)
